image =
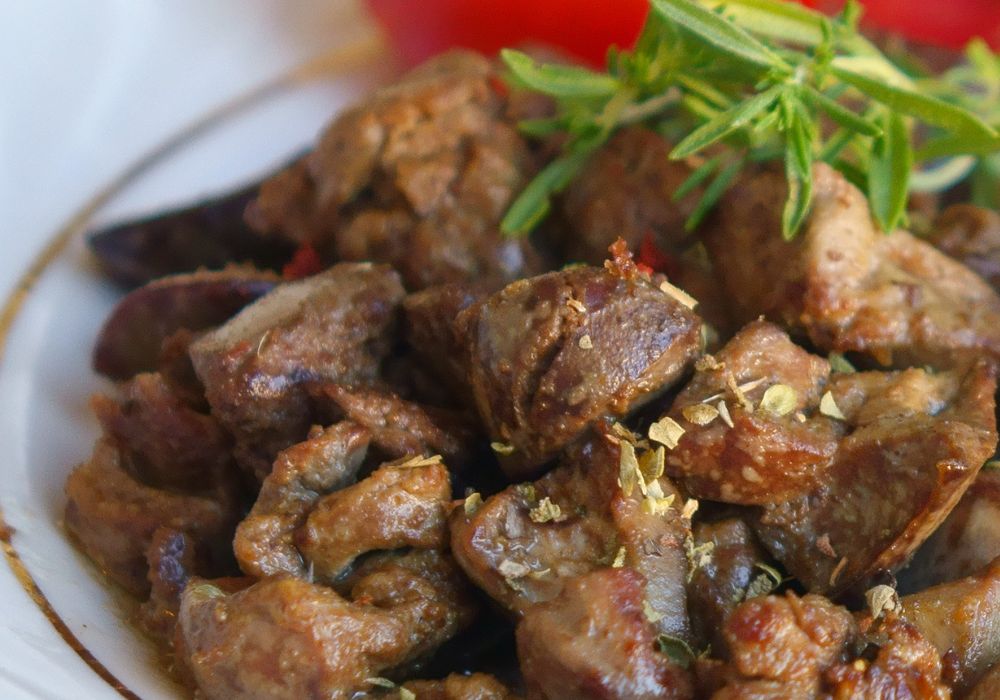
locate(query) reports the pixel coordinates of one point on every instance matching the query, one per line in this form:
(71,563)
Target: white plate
(99,85)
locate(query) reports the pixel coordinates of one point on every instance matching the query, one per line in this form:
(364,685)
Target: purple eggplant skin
(132,336)
(210,234)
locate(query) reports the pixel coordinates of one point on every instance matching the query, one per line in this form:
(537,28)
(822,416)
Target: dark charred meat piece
(436,339)
(846,285)
(401,428)
(552,354)
(971,235)
(724,580)
(172,559)
(132,337)
(395,507)
(988,688)
(917,442)
(524,544)
(286,638)
(302,474)
(166,443)
(113,516)
(766,456)
(418,176)
(906,665)
(474,686)
(594,642)
(210,234)
(336,326)
(964,543)
(962,620)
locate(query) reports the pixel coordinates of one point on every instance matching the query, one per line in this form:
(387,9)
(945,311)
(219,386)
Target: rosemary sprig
(745,81)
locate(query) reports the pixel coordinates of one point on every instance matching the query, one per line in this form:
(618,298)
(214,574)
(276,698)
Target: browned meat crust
(971,235)
(474,686)
(594,642)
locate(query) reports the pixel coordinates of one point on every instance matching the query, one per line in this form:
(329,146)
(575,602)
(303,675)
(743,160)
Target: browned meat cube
(113,516)
(724,580)
(962,620)
(474,686)
(166,443)
(524,544)
(286,638)
(172,559)
(552,354)
(971,235)
(846,285)
(302,474)
(418,176)
(964,543)
(594,642)
(917,442)
(133,334)
(397,506)
(988,688)
(401,428)
(769,454)
(336,326)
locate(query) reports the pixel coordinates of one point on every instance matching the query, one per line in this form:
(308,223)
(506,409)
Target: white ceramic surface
(86,88)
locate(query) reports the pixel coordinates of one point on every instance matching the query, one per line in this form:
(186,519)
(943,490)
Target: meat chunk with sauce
(971,235)
(552,354)
(417,176)
(844,284)
(284,637)
(917,441)
(336,326)
(458,686)
(988,688)
(523,545)
(594,642)
(113,516)
(967,540)
(962,620)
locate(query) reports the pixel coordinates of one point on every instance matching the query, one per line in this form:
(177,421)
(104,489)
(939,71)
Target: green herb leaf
(726,123)
(698,176)
(889,173)
(558,80)
(676,649)
(534,202)
(713,193)
(719,32)
(840,114)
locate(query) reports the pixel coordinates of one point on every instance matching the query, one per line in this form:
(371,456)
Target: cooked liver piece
(474,686)
(395,507)
(165,442)
(113,516)
(286,638)
(133,334)
(964,543)
(173,559)
(961,619)
(520,562)
(846,285)
(302,474)
(552,354)
(720,584)
(917,442)
(764,458)
(971,235)
(594,642)
(336,326)
(988,688)
(418,175)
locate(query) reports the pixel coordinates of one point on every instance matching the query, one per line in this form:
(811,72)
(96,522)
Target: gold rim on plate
(337,62)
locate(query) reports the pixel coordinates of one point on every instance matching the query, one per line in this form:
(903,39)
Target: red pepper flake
(499,86)
(304,263)
(652,256)
(621,264)
(645,269)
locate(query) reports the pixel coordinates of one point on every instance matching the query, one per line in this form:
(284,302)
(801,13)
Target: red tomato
(585,28)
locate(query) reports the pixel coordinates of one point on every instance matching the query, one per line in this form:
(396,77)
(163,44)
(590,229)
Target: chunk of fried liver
(988,688)
(173,559)
(458,686)
(551,355)
(113,515)
(971,235)
(418,175)
(765,456)
(302,474)
(284,637)
(843,283)
(336,326)
(962,620)
(594,641)
(521,556)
